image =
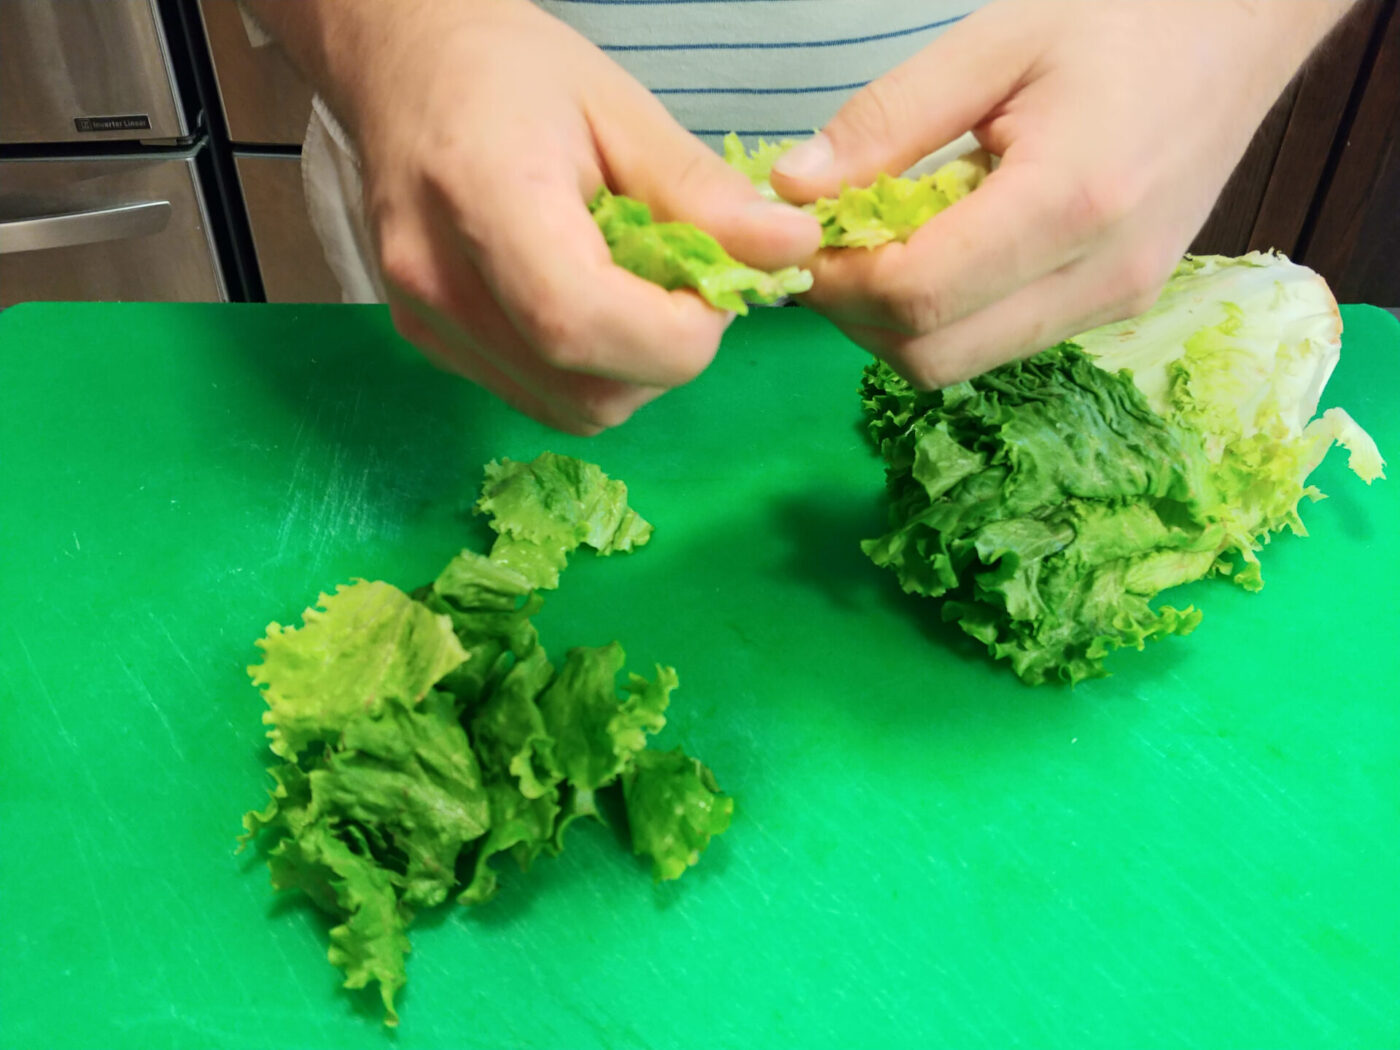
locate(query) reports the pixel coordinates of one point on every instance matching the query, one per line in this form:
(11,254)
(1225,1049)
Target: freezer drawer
(115,228)
(85,71)
(294,268)
(265,100)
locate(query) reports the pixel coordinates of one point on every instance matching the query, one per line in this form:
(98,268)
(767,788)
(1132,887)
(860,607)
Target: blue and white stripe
(771,68)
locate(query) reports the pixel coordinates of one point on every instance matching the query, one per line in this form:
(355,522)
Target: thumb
(647,155)
(921,105)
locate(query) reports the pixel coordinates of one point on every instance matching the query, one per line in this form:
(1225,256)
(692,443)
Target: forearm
(336,43)
(1296,27)
(1269,41)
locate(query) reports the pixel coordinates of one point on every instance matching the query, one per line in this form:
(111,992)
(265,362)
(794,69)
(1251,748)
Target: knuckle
(408,324)
(406,268)
(691,352)
(577,429)
(1143,276)
(694,178)
(1139,304)
(453,180)
(917,307)
(603,408)
(1099,203)
(560,331)
(929,371)
(1041,333)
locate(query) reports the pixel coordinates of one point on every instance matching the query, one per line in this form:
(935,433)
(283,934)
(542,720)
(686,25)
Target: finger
(1059,306)
(547,266)
(924,103)
(449,352)
(1026,220)
(469,328)
(651,157)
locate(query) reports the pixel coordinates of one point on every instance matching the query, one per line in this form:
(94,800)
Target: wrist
(344,47)
(1269,41)
(1295,27)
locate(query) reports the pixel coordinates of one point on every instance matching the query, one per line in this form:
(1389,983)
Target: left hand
(1117,121)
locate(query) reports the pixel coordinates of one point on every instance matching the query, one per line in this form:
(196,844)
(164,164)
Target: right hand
(483,130)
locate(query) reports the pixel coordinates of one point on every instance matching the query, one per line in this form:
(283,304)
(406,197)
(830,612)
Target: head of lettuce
(1047,503)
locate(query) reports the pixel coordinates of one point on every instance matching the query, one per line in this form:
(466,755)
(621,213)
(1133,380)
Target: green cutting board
(1200,851)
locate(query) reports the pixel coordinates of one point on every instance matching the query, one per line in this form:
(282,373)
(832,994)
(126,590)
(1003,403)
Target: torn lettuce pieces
(1048,503)
(680,255)
(544,510)
(890,209)
(422,735)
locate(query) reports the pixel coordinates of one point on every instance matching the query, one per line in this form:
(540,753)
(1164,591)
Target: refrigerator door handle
(118,223)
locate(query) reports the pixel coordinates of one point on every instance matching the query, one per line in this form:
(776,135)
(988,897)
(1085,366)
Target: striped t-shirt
(772,68)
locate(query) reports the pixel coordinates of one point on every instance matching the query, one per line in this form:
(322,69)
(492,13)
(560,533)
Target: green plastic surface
(1201,851)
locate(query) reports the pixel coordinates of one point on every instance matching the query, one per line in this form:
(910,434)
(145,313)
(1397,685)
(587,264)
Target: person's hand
(1117,121)
(483,130)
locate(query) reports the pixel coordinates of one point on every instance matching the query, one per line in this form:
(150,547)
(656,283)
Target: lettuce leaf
(544,510)
(757,163)
(1240,350)
(335,868)
(596,734)
(371,944)
(1047,503)
(489,606)
(673,809)
(1032,499)
(411,782)
(367,643)
(890,209)
(424,734)
(681,255)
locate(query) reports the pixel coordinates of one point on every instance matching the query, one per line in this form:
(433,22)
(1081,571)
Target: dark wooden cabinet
(1321,180)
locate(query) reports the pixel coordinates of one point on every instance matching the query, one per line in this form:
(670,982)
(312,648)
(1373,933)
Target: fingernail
(807,159)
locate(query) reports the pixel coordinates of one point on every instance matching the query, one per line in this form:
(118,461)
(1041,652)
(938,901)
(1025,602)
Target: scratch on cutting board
(174,645)
(64,734)
(160,714)
(84,771)
(88,869)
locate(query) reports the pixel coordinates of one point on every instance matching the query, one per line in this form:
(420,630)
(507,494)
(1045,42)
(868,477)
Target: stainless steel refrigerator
(265,106)
(101,148)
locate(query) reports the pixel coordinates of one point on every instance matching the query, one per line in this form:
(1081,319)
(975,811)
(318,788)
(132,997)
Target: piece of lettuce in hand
(674,808)
(890,209)
(757,163)
(544,510)
(1050,501)
(681,255)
